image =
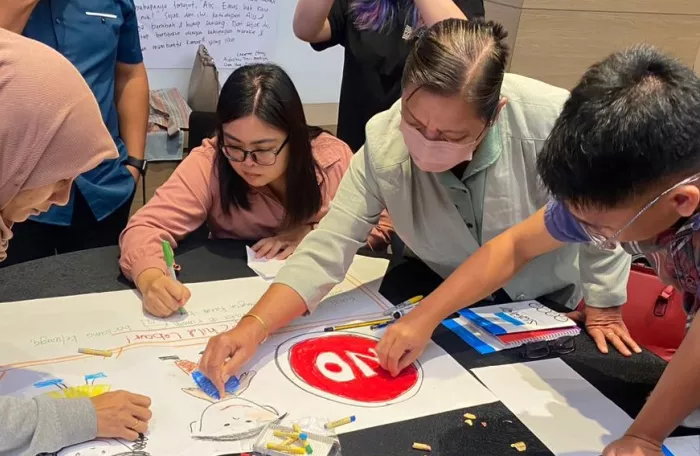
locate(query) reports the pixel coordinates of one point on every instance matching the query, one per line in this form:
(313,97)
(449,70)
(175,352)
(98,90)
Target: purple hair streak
(383,15)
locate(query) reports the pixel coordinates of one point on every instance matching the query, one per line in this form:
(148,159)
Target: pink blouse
(191,197)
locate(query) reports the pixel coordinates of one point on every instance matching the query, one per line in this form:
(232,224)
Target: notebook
(484,342)
(517,317)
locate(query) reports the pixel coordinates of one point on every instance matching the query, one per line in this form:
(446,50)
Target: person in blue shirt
(101,38)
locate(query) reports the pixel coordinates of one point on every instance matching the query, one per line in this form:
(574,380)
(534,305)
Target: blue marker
(666,451)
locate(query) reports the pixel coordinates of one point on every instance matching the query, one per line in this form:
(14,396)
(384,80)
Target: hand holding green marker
(169,256)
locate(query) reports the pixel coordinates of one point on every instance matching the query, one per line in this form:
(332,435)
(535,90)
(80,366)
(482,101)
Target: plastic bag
(323,442)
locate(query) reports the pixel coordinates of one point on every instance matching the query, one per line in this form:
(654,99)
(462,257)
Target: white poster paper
(299,373)
(236,32)
(684,446)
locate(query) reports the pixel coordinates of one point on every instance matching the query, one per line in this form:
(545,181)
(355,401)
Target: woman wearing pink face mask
(453,162)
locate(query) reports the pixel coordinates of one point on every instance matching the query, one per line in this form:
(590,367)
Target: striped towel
(169,111)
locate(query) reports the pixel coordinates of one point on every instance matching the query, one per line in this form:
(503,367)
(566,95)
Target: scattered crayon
(305,443)
(286,435)
(340,422)
(285,449)
(483,424)
(469,416)
(421,446)
(469,422)
(520,446)
(91,351)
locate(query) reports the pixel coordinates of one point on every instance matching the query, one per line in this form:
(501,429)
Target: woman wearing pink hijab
(51,131)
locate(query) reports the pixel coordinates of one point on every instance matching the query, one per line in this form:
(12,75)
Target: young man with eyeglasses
(623,166)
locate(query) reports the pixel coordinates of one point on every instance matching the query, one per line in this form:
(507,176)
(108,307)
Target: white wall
(316,75)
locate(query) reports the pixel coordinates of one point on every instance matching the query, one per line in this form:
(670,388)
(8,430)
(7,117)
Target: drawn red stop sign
(347,366)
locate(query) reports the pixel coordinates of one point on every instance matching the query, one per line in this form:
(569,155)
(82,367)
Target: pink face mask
(434,156)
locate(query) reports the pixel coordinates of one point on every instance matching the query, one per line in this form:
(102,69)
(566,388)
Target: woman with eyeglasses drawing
(266,176)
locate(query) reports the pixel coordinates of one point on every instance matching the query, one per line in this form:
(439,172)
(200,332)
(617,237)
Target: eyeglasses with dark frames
(260,157)
(542,349)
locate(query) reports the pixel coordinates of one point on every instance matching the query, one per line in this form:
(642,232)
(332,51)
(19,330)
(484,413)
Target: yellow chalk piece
(83,391)
(91,351)
(469,422)
(296,428)
(469,416)
(289,441)
(286,435)
(285,449)
(340,422)
(520,446)
(421,446)
(305,443)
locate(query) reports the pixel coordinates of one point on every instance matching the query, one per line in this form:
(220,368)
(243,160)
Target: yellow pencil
(91,351)
(358,325)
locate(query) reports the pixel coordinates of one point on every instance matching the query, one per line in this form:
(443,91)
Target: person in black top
(378,36)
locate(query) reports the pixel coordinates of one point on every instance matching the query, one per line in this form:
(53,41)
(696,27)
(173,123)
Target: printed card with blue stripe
(516,317)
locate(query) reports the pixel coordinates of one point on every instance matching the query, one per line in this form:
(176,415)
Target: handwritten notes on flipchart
(236,32)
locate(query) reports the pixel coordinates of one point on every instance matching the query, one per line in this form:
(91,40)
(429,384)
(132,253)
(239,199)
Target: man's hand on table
(605,325)
(632,446)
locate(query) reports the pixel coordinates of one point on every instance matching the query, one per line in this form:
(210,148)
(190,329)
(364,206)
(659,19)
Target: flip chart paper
(298,373)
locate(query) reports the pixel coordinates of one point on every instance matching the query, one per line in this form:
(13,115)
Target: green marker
(169,256)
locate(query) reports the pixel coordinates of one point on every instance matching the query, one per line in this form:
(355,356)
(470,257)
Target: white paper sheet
(569,415)
(236,32)
(302,372)
(684,446)
(267,269)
